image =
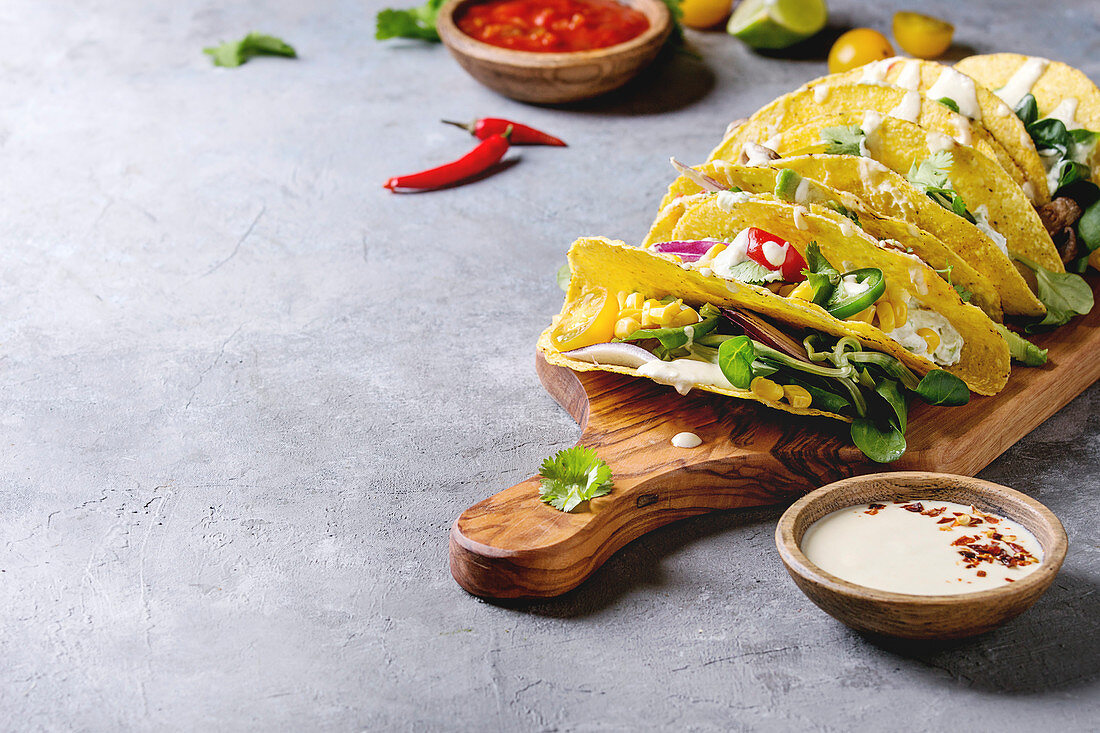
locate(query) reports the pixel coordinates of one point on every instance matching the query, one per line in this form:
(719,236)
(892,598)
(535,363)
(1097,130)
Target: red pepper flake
(916,507)
(964,540)
(934,512)
(981,573)
(991,519)
(946,520)
(1009,580)
(874,509)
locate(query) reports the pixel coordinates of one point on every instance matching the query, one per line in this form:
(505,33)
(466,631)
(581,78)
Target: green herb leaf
(418,22)
(932,175)
(572,476)
(1084,137)
(735,357)
(844,211)
(950,103)
(844,140)
(1065,295)
(823,399)
(1088,226)
(881,445)
(235,53)
(823,277)
(676,37)
(940,387)
(964,294)
(1027,109)
(563,277)
(889,390)
(749,272)
(1021,349)
(1050,134)
(1069,172)
(677,337)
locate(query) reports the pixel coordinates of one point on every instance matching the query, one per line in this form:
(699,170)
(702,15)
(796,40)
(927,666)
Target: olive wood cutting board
(511,545)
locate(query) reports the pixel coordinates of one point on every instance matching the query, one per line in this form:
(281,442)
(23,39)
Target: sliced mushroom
(1060,213)
(701,180)
(1066,242)
(756,154)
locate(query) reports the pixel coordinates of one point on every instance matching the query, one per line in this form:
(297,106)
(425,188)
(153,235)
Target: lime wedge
(777,23)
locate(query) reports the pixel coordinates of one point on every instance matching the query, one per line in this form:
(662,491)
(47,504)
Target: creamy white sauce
(938,142)
(981,220)
(1066,111)
(870,123)
(909,76)
(903,551)
(686,440)
(821,93)
(948,351)
(798,213)
(774,252)
(1029,191)
(960,88)
(683,374)
(1022,81)
(850,286)
(773,142)
(875,72)
(728,200)
(803,192)
(908,109)
(962,129)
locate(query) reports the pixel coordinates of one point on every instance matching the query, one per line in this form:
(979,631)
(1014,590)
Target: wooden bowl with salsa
(553,51)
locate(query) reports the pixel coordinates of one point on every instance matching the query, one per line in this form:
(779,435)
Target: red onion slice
(687,251)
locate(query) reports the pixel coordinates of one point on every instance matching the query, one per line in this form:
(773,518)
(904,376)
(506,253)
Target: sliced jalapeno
(846,307)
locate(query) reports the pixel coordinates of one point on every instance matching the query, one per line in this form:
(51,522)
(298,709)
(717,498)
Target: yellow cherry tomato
(704,13)
(922,35)
(858,47)
(590,320)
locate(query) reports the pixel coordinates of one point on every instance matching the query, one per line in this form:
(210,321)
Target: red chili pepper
(521,134)
(792,265)
(487,154)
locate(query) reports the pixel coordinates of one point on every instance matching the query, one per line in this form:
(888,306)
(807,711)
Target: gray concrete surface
(246,391)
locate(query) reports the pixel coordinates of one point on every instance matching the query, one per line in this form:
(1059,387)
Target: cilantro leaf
(572,476)
(822,276)
(1021,349)
(932,175)
(950,103)
(843,140)
(844,211)
(234,53)
(750,272)
(418,22)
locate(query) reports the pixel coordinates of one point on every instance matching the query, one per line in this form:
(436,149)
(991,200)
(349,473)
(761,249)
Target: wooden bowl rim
(1035,582)
(453,37)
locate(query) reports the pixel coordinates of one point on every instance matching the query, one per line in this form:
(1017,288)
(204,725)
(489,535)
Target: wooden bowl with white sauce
(908,615)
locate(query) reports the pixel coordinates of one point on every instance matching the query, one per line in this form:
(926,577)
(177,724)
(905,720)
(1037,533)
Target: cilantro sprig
(843,140)
(933,176)
(573,476)
(234,53)
(418,22)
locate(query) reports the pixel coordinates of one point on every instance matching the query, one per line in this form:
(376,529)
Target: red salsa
(552,26)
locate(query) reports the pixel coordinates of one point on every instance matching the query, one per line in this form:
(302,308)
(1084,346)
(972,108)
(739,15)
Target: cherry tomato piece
(704,13)
(922,35)
(858,47)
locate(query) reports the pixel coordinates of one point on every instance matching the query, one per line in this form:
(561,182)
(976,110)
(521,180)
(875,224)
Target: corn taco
(961,179)
(951,87)
(850,102)
(1060,107)
(789,185)
(650,314)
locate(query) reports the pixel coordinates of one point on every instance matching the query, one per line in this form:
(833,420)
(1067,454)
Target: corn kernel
(621,297)
(711,254)
(766,389)
(803,291)
(626,326)
(866,315)
(884,310)
(901,312)
(774,286)
(634,300)
(930,337)
(685,317)
(896,293)
(787,289)
(797,396)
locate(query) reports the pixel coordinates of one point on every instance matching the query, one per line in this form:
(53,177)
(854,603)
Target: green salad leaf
(950,103)
(881,444)
(572,476)
(735,357)
(677,337)
(235,53)
(418,22)
(563,277)
(940,387)
(1088,226)
(1021,349)
(889,390)
(843,140)
(1065,294)
(1027,109)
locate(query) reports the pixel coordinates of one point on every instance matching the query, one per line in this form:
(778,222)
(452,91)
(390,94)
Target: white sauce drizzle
(908,109)
(870,123)
(960,88)
(938,142)
(904,551)
(821,93)
(1022,81)
(686,440)
(1066,112)
(875,72)
(909,77)
(683,374)
(1029,191)
(981,219)
(728,200)
(962,129)
(799,215)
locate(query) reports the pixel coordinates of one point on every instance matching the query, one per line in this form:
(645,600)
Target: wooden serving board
(511,545)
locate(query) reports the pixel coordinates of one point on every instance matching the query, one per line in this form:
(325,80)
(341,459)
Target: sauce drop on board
(552,26)
(921,547)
